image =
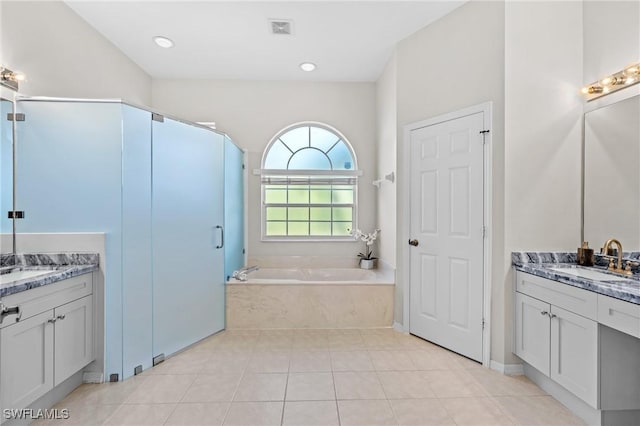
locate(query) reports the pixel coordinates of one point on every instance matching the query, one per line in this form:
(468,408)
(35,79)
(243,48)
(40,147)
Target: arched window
(309,184)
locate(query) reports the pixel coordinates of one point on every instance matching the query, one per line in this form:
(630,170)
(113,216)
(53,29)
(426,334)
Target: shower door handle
(221,236)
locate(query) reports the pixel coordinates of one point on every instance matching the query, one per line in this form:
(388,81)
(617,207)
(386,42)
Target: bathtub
(303,297)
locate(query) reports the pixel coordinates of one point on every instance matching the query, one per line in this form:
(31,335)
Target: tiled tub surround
(539,264)
(55,267)
(308,292)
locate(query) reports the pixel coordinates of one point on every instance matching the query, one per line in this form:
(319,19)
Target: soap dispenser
(585,255)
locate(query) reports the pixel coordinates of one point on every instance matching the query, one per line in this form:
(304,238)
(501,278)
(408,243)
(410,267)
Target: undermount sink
(588,273)
(18,274)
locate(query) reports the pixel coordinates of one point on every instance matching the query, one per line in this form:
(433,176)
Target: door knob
(414,243)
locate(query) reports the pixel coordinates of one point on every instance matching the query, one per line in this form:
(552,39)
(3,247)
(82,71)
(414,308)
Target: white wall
(543,133)
(611,37)
(62,55)
(454,63)
(252,112)
(386,124)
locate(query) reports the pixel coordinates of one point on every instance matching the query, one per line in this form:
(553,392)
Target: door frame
(405,205)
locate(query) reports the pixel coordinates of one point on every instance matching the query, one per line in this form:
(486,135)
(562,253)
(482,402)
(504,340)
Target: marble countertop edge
(539,264)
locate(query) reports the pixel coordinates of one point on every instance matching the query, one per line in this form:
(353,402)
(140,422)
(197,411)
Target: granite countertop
(539,263)
(54,267)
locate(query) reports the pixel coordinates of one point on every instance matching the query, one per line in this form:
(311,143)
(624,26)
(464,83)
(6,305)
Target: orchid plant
(368,239)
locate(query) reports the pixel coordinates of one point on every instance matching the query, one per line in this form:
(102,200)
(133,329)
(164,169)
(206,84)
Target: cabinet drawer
(578,301)
(619,315)
(37,300)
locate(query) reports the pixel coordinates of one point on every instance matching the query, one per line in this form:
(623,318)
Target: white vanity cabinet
(555,339)
(52,341)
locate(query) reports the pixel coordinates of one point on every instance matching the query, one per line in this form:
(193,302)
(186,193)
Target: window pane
(320,228)
(276,229)
(343,196)
(272,196)
(298,213)
(277,156)
(298,196)
(321,213)
(276,213)
(341,157)
(323,139)
(299,228)
(297,138)
(341,228)
(310,159)
(342,214)
(321,196)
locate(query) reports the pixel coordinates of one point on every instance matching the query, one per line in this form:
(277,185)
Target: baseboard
(507,369)
(92,377)
(399,327)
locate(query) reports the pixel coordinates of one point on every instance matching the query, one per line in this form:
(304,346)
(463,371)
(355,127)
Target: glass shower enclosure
(156,187)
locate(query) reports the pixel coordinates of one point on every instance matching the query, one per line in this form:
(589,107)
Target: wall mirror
(611,170)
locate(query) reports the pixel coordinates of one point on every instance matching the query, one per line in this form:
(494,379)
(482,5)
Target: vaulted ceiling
(347,40)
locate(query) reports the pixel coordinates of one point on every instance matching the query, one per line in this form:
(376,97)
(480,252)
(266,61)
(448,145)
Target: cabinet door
(26,360)
(73,338)
(574,354)
(532,334)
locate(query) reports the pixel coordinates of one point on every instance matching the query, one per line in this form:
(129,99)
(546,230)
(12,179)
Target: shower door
(187,219)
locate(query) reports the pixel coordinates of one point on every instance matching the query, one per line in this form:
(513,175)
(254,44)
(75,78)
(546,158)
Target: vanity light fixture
(307,66)
(11,79)
(163,42)
(612,83)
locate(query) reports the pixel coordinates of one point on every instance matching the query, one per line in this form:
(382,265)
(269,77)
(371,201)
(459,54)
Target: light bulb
(585,90)
(606,81)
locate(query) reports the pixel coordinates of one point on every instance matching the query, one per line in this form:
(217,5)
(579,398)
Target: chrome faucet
(241,274)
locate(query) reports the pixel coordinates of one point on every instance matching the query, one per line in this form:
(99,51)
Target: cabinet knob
(544,313)
(552,316)
(61,317)
(52,320)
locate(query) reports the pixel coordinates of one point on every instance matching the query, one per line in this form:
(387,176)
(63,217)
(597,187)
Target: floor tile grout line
(286,387)
(335,390)
(235,391)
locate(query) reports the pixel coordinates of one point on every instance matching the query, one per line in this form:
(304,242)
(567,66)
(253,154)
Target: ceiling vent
(281,26)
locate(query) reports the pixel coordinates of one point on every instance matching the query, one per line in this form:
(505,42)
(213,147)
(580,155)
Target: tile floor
(315,377)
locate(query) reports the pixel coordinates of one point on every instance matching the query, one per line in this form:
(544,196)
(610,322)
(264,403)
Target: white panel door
(26,360)
(447,217)
(574,354)
(532,332)
(73,338)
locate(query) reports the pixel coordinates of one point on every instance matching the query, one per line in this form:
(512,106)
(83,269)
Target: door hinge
(15,214)
(484,232)
(483,323)
(243,167)
(157,117)
(243,251)
(19,116)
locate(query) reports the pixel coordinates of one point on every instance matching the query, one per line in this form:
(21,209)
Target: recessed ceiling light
(163,42)
(307,66)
